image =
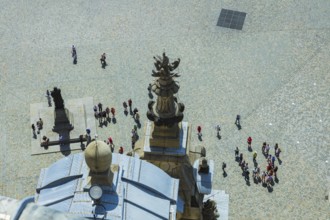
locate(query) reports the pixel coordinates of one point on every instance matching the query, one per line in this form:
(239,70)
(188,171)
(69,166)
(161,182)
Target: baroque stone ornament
(166,111)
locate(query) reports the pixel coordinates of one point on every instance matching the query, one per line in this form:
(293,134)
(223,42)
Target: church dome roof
(98,156)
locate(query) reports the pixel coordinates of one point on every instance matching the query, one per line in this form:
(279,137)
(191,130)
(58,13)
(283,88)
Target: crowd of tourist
(103,116)
(266,176)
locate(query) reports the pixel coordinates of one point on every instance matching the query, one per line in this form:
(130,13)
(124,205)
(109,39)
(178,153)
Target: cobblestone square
(274,73)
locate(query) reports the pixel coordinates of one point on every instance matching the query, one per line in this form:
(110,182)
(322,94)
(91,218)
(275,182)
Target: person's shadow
(200,137)
(104,64)
(125,112)
(114,120)
(150,95)
(224,174)
(219,136)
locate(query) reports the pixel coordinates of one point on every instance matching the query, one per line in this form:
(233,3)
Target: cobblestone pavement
(274,73)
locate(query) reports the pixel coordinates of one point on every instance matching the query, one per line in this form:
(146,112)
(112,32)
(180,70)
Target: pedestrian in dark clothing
(133,141)
(103,63)
(275,171)
(224,165)
(49,100)
(137,117)
(277,151)
(236,154)
(40,125)
(74,54)
(107,110)
(130,103)
(125,107)
(100,107)
(135,110)
(263,148)
(218,128)
(88,131)
(33,130)
(238,120)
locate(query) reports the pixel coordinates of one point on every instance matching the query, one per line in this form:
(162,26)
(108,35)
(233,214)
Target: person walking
(273,161)
(277,151)
(130,104)
(125,107)
(275,171)
(263,148)
(100,107)
(74,54)
(135,110)
(49,100)
(110,141)
(133,139)
(263,177)
(236,153)
(218,129)
(103,62)
(240,157)
(267,150)
(249,141)
(254,156)
(238,120)
(107,110)
(137,117)
(40,125)
(113,112)
(33,130)
(199,131)
(121,150)
(224,165)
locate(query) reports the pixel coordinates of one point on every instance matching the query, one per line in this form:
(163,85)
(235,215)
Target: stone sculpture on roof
(166,111)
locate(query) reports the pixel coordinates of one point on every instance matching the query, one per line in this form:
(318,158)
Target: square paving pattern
(231,19)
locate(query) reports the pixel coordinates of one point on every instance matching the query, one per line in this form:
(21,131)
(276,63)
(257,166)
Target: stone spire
(166,111)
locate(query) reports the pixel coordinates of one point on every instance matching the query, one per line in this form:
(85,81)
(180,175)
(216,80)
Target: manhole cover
(231,19)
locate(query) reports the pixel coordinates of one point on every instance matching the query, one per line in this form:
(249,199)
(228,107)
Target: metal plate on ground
(231,19)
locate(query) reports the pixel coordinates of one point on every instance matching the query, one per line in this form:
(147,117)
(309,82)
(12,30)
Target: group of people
(74,57)
(267,176)
(104,114)
(40,124)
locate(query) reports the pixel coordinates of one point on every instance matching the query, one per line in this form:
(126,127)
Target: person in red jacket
(110,141)
(199,130)
(113,112)
(249,141)
(121,150)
